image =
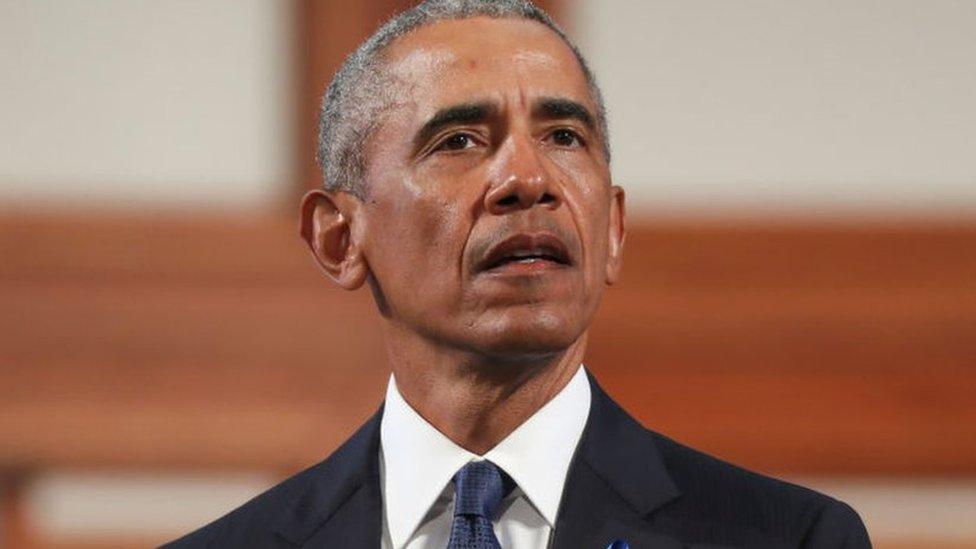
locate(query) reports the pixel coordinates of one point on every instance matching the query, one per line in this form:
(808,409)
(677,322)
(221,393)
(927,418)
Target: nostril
(509,200)
(547,198)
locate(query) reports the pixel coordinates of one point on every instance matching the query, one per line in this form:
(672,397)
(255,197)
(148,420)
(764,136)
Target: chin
(526,334)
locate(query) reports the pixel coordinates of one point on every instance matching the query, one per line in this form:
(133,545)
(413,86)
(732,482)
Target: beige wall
(838,107)
(821,107)
(121,102)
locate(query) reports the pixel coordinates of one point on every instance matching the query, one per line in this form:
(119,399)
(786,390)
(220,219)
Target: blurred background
(799,291)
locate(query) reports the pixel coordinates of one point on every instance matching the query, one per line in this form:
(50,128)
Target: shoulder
(298,503)
(733,504)
(251,524)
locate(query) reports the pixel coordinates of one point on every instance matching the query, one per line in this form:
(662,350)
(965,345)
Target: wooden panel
(181,342)
(14,523)
(327,32)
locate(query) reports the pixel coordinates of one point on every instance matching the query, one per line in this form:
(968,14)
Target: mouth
(526,253)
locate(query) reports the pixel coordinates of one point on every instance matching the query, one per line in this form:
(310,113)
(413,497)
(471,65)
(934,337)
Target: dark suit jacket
(625,482)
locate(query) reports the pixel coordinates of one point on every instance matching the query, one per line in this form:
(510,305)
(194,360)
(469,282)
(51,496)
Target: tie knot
(479,487)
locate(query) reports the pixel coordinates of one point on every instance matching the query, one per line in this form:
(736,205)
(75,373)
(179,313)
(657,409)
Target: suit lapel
(617,479)
(341,505)
(356,524)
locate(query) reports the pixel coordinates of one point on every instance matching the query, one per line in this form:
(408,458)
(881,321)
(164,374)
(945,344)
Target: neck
(476,400)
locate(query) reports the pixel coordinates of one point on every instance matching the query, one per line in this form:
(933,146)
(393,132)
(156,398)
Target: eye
(566,138)
(456,142)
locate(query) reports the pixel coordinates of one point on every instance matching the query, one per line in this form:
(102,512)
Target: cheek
(421,234)
(587,194)
(438,224)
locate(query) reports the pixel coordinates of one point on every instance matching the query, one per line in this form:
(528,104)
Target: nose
(521,181)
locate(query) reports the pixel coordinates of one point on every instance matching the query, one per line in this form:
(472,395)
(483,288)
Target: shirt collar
(419,461)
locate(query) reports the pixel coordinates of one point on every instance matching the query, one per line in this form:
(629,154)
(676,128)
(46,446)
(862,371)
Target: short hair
(359,93)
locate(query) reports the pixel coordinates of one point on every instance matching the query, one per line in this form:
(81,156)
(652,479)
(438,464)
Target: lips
(536,248)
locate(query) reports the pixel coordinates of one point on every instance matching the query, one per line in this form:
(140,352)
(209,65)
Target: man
(467,184)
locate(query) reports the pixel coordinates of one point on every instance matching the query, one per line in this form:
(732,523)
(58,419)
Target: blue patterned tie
(479,488)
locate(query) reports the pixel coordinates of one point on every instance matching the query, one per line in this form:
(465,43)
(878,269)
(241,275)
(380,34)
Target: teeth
(530,256)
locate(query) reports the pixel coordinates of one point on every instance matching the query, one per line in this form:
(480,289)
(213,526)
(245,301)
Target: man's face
(490,223)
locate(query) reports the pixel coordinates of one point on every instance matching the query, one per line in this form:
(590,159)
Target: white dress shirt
(417,464)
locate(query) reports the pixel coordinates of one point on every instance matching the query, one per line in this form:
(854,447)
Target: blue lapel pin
(618,544)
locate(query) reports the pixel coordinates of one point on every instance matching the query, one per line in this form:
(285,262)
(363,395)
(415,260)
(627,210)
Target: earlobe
(617,234)
(327,229)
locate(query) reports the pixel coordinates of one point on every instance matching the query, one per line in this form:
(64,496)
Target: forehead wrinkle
(528,63)
(535,57)
(419,63)
(425,69)
(442,66)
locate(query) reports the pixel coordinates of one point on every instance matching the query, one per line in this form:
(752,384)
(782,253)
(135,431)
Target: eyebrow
(467,113)
(555,108)
(546,108)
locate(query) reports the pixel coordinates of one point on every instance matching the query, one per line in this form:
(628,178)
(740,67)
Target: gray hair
(360,93)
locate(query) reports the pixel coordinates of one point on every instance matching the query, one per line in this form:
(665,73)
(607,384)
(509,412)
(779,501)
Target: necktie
(479,488)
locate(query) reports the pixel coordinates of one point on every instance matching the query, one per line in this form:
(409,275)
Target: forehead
(483,58)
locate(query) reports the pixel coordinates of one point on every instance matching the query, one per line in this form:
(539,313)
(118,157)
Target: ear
(617,234)
(327,229)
